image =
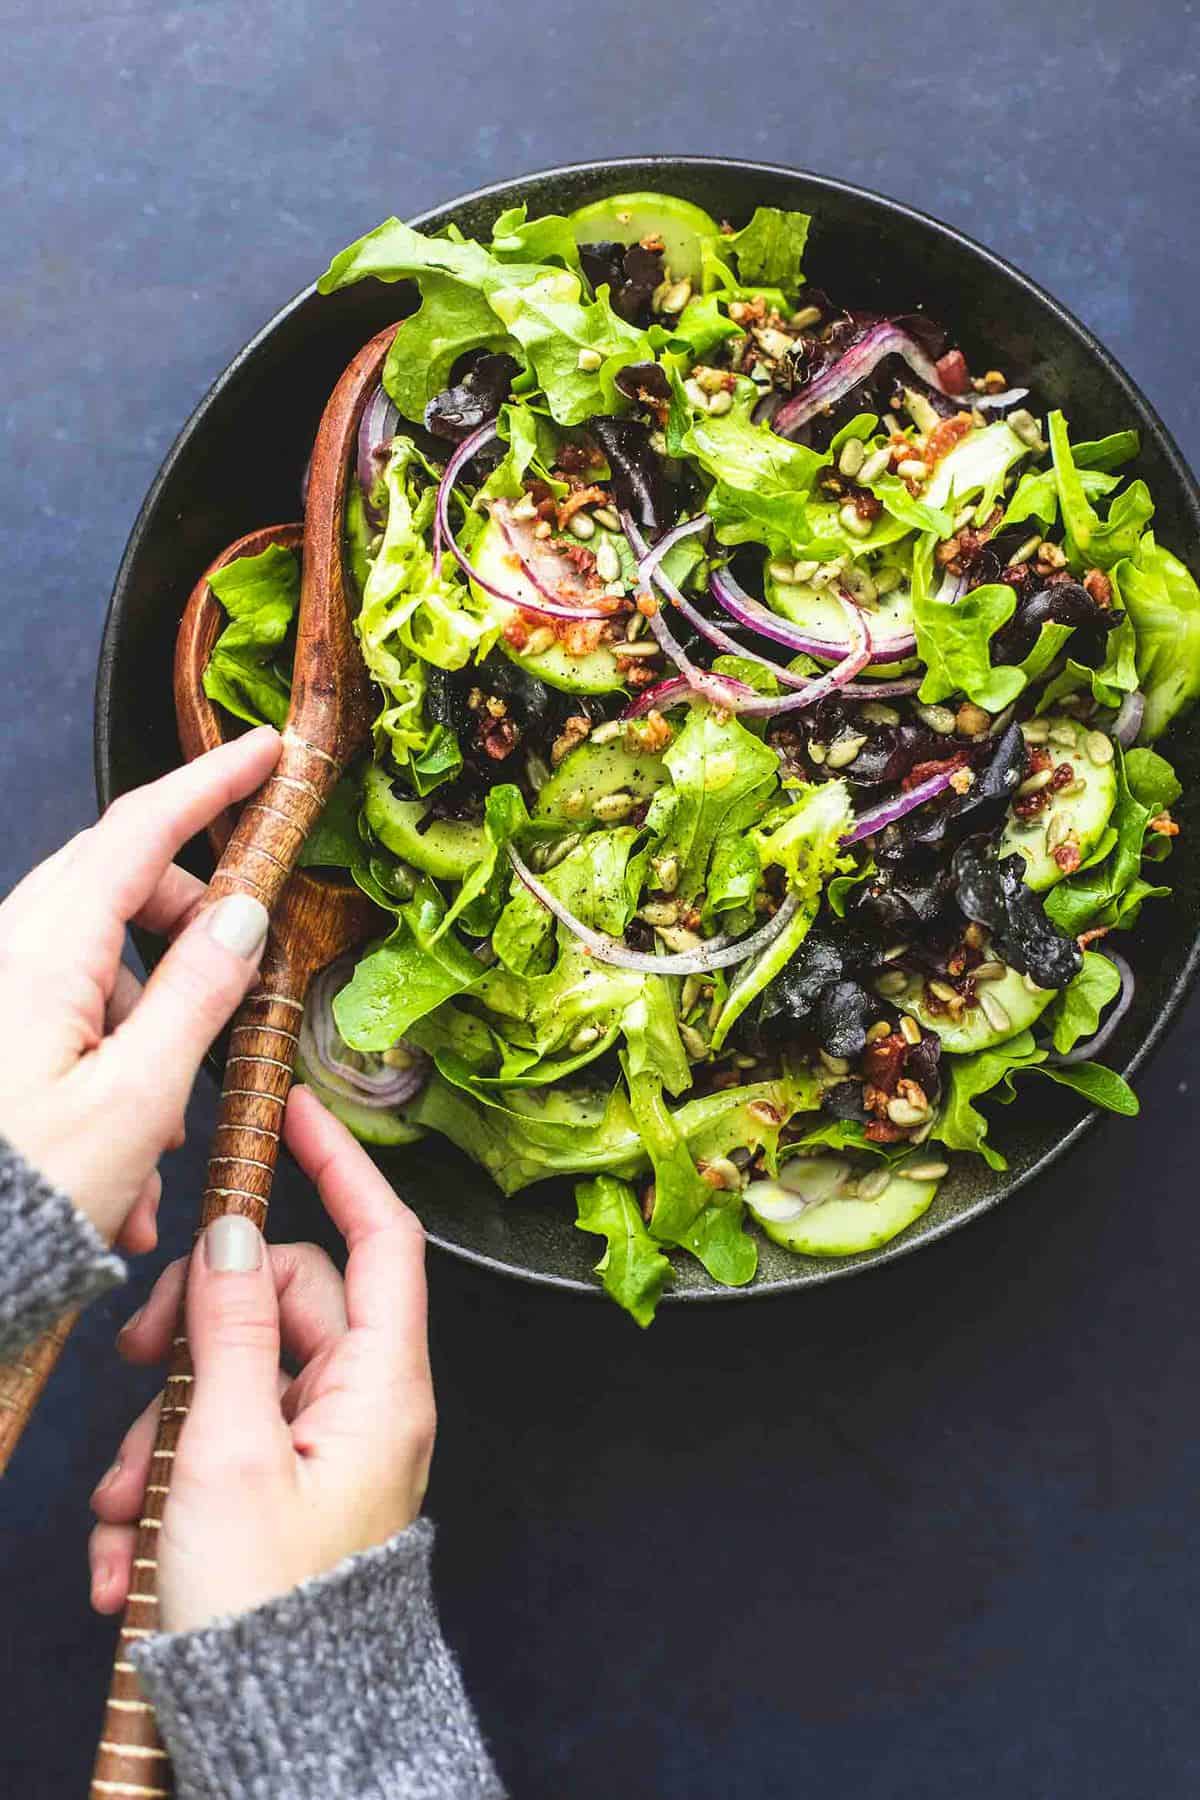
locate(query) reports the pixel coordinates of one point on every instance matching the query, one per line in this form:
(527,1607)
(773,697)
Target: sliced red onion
(675,689)
(868,823)
(752,613)
(858,655)
(1092,1046)
(377,428)
(443,537)
(717,954)
(717,688)
(884,339)
(356,1075)
(1128,721)
(548,601)
(951,588)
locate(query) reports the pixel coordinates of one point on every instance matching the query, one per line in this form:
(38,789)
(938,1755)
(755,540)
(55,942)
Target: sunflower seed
(851,520)
(875,465)
(925,1171)
(892,983)
(871,1186)
(1099,748)
(853,456)
(993,1012)
(989,971)
(611,808)
(910,1031)
(1033,784)
(582,525)
(588,361)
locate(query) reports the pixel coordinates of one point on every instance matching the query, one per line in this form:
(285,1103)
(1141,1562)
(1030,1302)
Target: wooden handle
(131,1763)
(22,1381)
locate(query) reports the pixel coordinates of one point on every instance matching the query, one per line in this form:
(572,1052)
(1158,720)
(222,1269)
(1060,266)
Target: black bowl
(868,251)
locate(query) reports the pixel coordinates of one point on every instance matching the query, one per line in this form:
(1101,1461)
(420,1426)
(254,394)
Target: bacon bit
(882,1131)
(1093,936)
(1097,584)
(1164,825)
(922,771)
(516,630)
(945,434)
(500,740)
(962,781)
(1068,857)
(647,605)
(573,459)
(581,558)
(580,496)
(1062,777)
(582,637)
(1039,759)
(653,242)
(574,731)
(953,373)
(866,504)
(636,672)
(882,1064)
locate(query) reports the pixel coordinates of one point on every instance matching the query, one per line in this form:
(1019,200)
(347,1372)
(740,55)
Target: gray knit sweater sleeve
(343,1689)
(51,1257)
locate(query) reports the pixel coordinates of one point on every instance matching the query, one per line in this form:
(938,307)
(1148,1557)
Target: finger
(233,1331)
(312,1309)
(141,833)
(191,995)
(139,1234)
(117,1496)
(127,991)
(110,1557)
(172,903)
(385,1274)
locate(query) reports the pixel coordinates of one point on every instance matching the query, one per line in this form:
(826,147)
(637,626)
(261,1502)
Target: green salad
(763,764)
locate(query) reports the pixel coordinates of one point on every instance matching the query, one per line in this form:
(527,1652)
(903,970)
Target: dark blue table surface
(933,1532)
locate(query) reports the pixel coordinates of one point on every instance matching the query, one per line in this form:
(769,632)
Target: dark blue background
(930,1533)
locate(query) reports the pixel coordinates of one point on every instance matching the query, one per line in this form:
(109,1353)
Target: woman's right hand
(279,1479)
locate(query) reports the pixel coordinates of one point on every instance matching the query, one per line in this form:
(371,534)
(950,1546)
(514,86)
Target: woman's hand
(95,1073)
(277,1479)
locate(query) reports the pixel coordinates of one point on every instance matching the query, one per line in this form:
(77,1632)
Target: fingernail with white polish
(239,923)
(233,1246)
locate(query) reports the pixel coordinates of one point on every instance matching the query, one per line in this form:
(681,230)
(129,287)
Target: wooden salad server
(328,721)
(314,921)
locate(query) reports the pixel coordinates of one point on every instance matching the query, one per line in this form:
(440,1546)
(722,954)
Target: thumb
(233,1333)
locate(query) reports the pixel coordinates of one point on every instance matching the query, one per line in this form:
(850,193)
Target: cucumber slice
(448,850)
(815,1208)
(370,1124)
(628,218)
(1077,814)
(816,609)
(594,673)
(591,772)
(1007,1005)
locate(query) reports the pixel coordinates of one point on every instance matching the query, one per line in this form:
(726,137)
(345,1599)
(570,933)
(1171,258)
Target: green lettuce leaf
(1090,541)
(554,327)
(406,977)
(687,1210)
(633,1269)
(1163,602)
(954,642)
(760,480)
(804,840)
(769,250)
(1077,1014)
(959,1124)
(721,774)
(246,673)
(1103,1087)
(547,239)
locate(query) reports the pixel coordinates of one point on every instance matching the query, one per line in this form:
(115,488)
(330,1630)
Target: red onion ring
(888,811)
(675,688)
(377,428)
(884,339)
(443,537)
(367,1080)
(717,688)
(715,955)
(1128,721)
(1093,1045)
(752,613)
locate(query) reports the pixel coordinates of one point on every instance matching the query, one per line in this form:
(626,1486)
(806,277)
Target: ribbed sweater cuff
(54,1258)
(343,1689)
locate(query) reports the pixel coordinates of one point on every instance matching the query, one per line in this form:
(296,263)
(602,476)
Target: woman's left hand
(95,1073)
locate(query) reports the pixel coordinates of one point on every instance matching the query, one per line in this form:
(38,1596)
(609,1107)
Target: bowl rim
(819,1274)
